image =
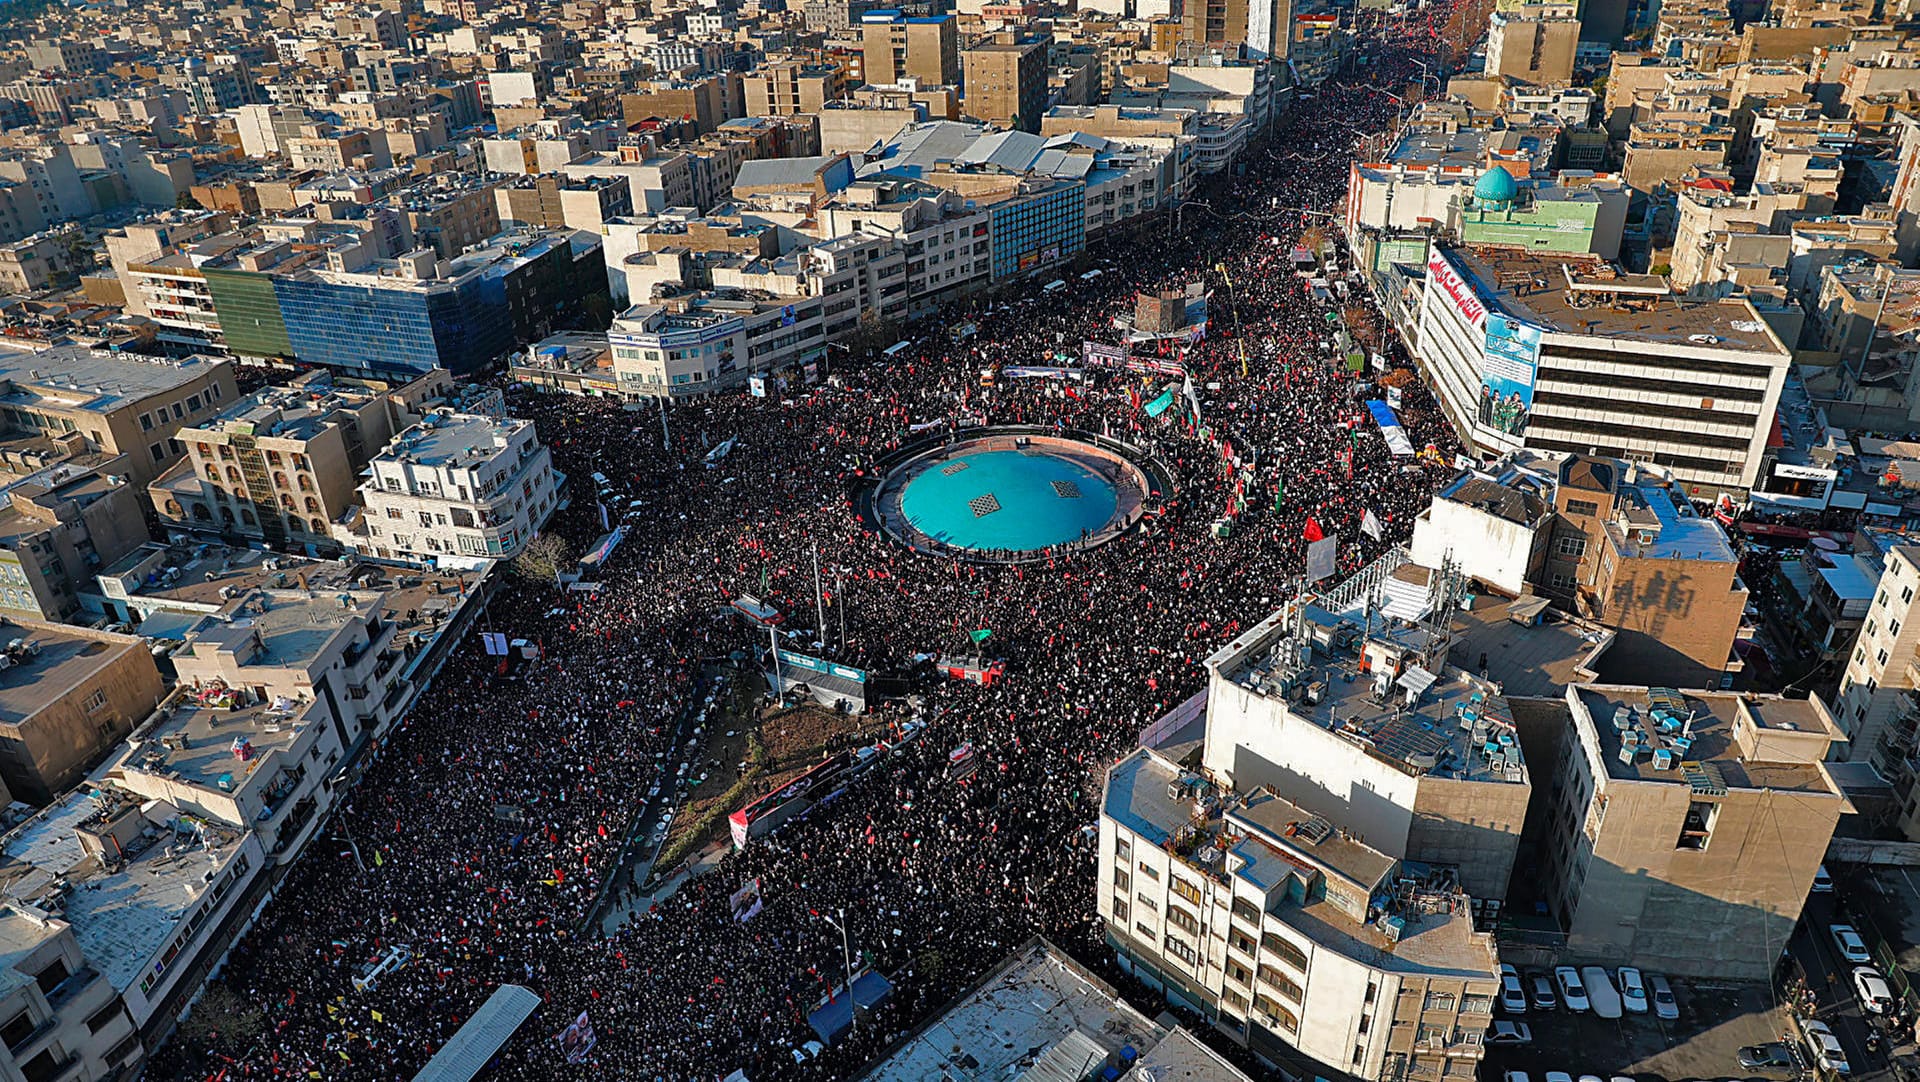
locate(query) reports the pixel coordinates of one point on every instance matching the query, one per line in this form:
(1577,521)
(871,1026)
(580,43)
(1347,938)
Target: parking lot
(1716,1020)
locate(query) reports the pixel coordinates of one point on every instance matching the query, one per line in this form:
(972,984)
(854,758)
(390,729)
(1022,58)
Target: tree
(544,557)
(223,1017)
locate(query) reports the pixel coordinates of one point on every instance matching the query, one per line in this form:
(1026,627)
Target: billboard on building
(1507,374)
(1454,288)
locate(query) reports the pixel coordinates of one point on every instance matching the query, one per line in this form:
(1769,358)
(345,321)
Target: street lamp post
(846,956)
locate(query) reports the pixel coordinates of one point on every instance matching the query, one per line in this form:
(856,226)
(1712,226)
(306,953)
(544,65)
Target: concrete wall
(1474,824)
(1487,547)
(1254,741)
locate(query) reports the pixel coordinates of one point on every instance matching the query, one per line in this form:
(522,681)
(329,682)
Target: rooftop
(79,378)
(120,915)
(1526,662)
(1397,916)
(1655,522)
(210,578)
(1516,500)
(1409,709)
(1694,738)
(1040,1016)
(452,440)
(52,663)
(1584,295)
(206,738)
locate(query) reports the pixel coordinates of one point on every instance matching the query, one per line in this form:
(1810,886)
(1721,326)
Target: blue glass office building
(367,325)
(1034,231)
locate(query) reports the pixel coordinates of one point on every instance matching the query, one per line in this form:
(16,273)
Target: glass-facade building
(368,325)
(1034,231)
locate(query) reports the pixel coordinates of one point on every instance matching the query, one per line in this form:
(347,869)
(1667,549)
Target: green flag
(981,635)
(763,578)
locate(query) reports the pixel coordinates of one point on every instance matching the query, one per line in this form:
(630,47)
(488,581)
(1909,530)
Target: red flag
(1312,532)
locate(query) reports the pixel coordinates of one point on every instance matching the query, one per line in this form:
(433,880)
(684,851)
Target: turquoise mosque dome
(1497,186)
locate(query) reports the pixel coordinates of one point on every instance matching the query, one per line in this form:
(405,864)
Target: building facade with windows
(1039,225)
(78,400)
(58,528)
(281,465)
(1570,354)
(455,489)
(67,696)
(1685,828)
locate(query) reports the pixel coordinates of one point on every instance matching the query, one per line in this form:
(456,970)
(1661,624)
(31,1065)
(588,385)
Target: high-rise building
(1006,81)
(1687,826)
(456,488)
(1265,27)
(1309,884)
(1568,353)
(895,46)
(1533,43)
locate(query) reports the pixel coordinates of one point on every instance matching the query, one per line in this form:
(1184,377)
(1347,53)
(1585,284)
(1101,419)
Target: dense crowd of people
(937,879)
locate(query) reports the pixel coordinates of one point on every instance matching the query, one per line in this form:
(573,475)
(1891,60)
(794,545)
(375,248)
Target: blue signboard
(1507,374)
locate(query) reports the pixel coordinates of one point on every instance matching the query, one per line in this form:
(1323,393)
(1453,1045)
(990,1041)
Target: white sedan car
(1633,990)
(1849,944)
(1875,995)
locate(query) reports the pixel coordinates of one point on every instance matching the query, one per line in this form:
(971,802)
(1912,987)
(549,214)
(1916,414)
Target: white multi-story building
(1309,886)
(455,489)
(1567,353)
(1876,691)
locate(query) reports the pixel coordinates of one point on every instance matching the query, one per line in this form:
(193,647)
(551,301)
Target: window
(103,1017)
(1123,849)
(1697,828)
(1893,628)
(1571,545)
(96,700)
(1563,582)
(1881,657)
(1149,871)
(1582,507)
(1275,1016)
(146,422)
(158,451)
(1120,910)
(1246,911)
(393,512)
(1147,903)
(1285,951)
(1906,594)
(1439,1001)
(178,412)
(1240,973)
(193,402)
(42,1067)
(1433,1035)
(1281,983)
(1870,627)
(1183,920)
(1240,941)
(122,1050)
(1180,949)
(1122,880)
(1185,890)
(17,1029)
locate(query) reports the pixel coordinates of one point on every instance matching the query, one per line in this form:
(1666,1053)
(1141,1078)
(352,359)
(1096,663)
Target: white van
(1054,286)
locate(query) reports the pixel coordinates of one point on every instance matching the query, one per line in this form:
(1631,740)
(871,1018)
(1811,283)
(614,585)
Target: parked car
(1873,990)
(1664,1005)
(1571,989)
(1822,882)
(1633,990)
(1774,1057)
(1848,943)
(1600,993)
(1513,997)
(1505,1032)
(1544,997)
(1558,1076)
(1825,1047)
(1513,1076)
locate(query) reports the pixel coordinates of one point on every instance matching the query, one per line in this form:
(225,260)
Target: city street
(1828,978)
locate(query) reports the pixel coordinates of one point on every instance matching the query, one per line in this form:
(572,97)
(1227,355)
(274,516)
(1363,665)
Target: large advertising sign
(1507,374)
(1442,276)
(814,664)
